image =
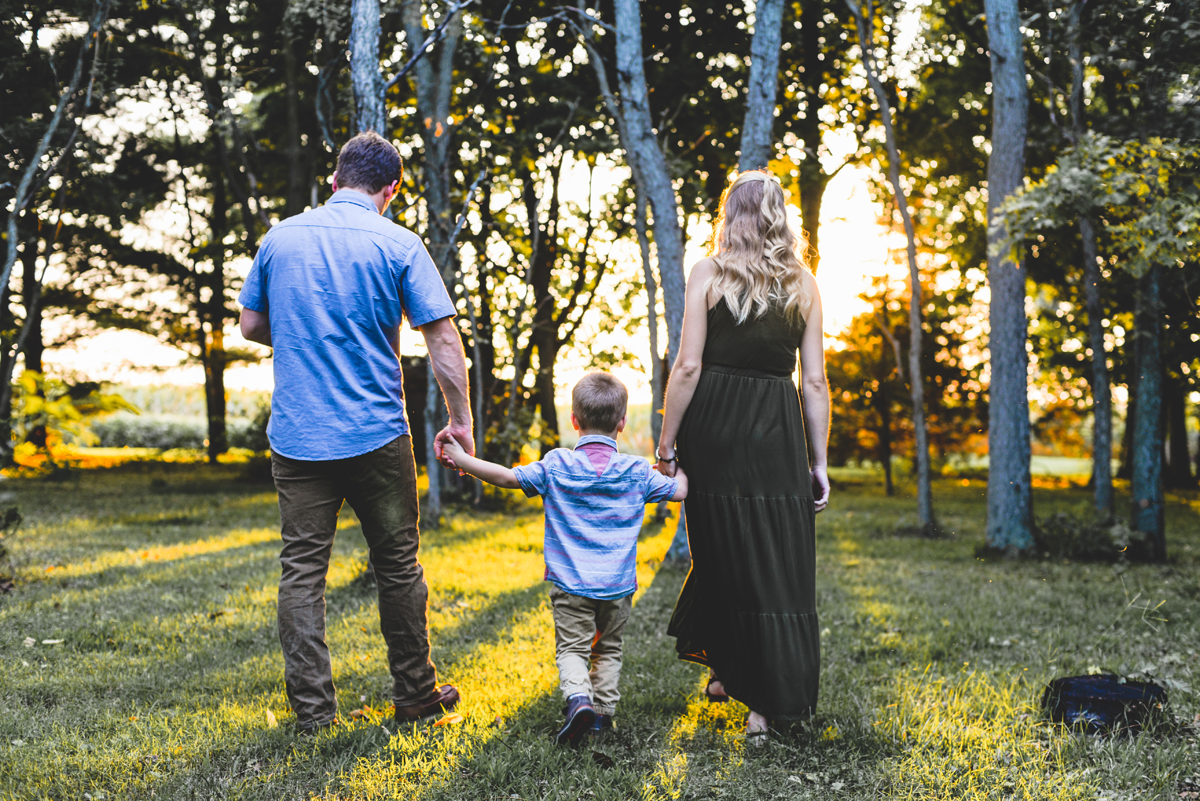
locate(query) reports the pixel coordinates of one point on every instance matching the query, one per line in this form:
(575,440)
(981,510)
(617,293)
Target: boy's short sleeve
(254,290)
(532,478)
(659,487)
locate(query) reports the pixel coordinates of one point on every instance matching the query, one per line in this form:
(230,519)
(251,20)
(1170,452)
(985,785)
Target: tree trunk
(1102,445)
(885,442)
(649,167)
(214,310)
(1010,498)
(1102,486)
(31,297)
(656,360)
(1147,516)
(433,79)
(1179,463)
(365,77)
(1125,471)
(864,19)
(812,193)
(298,178)
(758,141)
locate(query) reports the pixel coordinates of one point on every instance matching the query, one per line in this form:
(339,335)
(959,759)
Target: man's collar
(355,197)
(588,439)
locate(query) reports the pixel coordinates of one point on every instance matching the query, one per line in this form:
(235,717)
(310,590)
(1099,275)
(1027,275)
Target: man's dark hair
(599,401)
(368,161)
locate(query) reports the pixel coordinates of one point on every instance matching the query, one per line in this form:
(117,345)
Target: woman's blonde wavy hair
(759,258)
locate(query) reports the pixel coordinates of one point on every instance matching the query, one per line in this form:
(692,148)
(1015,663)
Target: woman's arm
(685,374)
(816,395)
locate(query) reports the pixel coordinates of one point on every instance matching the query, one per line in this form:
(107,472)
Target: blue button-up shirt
(336,282)
(593,521)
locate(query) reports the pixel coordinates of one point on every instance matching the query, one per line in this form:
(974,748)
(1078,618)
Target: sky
(854,248)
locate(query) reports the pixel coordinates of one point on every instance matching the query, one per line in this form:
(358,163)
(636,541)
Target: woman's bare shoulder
(703,268)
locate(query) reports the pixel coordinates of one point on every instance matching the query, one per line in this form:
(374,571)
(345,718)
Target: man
(327,291)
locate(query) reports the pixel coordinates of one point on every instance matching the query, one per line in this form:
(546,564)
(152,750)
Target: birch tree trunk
(1102,479)
(365,76)
(635,128)
(1010,501)
(864,20)
(758,140)
(650,167)
(433,79)
(1147,514)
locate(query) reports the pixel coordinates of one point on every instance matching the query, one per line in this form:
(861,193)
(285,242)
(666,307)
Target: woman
(748,609)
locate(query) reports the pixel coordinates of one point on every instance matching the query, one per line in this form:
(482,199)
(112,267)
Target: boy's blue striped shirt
(593,522)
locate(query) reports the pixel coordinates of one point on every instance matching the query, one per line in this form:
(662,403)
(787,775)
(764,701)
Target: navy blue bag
(1102,702)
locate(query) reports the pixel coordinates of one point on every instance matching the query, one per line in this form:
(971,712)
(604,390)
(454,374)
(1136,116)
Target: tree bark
(433,80)
(649,166)
(365,77)
(1147,515)
(1102,479)
(1179,463)
(1102,442)
(864,19)
(758,141)
(213,311)
(1010,499)
(298,177)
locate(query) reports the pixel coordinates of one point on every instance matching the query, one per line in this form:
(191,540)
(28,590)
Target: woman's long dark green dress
(748,607)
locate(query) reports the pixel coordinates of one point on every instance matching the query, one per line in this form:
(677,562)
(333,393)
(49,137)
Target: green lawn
(159,580)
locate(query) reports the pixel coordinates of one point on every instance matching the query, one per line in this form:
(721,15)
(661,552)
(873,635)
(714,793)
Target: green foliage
(1147,194)
(47,410)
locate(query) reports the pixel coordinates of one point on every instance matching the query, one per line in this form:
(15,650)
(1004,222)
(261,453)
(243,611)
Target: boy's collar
(588,439)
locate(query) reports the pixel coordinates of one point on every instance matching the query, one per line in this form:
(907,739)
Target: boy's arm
(490,472)
(681,485)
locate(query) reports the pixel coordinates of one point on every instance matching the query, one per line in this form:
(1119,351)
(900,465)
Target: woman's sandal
(714,698)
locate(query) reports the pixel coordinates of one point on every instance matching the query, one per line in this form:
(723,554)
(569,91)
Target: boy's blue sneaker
(601,727)
(580,717)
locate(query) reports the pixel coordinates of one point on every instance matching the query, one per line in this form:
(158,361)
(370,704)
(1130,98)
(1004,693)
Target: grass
(159,581)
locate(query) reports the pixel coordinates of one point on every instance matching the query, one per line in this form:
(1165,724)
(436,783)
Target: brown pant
(381,487)
(587,636)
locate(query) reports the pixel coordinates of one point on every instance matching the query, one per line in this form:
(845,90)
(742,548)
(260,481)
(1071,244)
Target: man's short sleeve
(533,479)
(254,291)
(659,487)
(422,291)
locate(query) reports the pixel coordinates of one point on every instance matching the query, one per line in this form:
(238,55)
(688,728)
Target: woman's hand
(666,466)
(820,480)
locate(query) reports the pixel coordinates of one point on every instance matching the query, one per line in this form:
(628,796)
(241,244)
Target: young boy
(594,500)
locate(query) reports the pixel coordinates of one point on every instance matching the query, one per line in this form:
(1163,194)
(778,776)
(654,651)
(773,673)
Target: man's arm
(450,369)
(256,326)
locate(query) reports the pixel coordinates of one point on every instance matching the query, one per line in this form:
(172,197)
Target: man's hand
(460,434)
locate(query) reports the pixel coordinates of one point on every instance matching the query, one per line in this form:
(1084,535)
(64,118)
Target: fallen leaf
(271,721)
(451,719)
(836,786)
(53,642)
(30,642)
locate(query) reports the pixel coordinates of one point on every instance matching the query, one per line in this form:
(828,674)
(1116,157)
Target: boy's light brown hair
(599,401)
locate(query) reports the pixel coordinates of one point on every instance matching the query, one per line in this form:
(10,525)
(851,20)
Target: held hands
(457,435)
(669,466)
(452,454)
(820,480)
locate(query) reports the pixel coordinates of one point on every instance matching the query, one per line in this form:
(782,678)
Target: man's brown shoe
(443,699)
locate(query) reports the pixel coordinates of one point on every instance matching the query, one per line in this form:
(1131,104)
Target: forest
(148,147)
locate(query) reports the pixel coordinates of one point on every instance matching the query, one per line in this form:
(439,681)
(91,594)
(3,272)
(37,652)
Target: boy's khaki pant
(587,635)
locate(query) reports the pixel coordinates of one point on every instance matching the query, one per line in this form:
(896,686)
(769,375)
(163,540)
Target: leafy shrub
(176,432)
(1086,538)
